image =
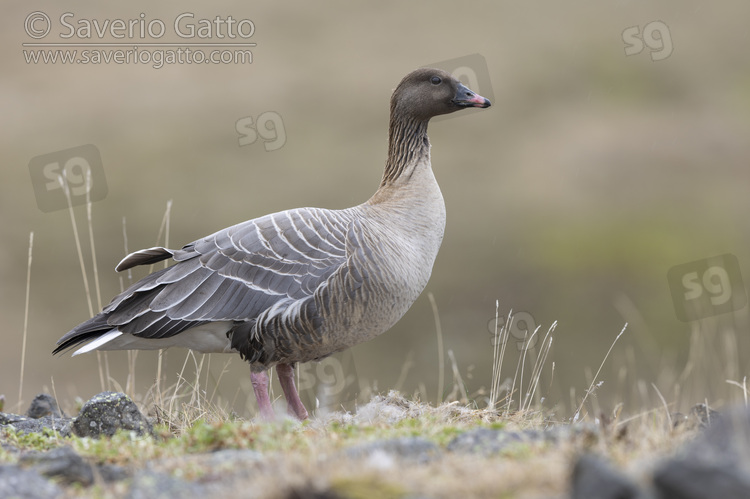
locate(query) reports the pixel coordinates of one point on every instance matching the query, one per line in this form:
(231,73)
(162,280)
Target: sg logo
(76,173)
(329,382)
(274,136)
(472,71)
(660,46)
(522,327)
(707,287)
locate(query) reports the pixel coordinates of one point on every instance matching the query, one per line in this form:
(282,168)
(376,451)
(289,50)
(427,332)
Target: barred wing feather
(232,275)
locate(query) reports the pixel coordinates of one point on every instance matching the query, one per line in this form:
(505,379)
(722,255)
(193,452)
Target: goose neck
(407,145)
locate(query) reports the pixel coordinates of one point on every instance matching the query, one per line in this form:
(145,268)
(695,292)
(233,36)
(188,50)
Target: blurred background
(611,170)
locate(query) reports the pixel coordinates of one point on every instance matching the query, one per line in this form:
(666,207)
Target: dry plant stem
(495,360)
(95,267)
(541,358)
(526,343)
(25,321)
(664,403)
(457,379)
(441,354)
(77,238)
(593,381)
(743,386)
(90,224)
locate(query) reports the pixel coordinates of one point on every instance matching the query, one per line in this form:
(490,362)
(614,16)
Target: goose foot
(260,387)
(295,407)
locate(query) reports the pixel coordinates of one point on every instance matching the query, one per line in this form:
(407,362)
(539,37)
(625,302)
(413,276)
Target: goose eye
(436,80)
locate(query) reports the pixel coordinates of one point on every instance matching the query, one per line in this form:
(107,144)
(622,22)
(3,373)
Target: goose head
(428,92)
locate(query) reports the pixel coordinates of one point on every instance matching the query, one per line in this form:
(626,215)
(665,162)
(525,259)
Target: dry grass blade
(593,381)
(666,406)
(441,355)
(498,356)
(25,321)
(743,386)
(536,371)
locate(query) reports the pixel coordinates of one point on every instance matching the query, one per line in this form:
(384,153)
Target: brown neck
(407,143)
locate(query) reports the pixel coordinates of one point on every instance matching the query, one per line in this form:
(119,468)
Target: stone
(107,412)
(413,449)
(595,478)
(62,463)
(43,405)
(17,482)
(151,485)
(695,478)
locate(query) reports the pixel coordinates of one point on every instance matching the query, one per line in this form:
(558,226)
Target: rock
(299,493)
(413,449)
(231,458)
(150,485)
(487,441)
(112,473)
(715,464)
(24,424)
(62,463)
(593,478)
(43,405)
(108,412)
(28,484)
(7,418)
(694,478)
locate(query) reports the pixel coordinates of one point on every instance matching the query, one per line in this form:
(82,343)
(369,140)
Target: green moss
(42,441)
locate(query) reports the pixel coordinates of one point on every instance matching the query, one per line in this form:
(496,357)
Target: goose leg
(294,404)
(260,387)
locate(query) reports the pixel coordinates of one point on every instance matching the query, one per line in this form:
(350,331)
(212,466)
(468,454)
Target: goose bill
(466,98)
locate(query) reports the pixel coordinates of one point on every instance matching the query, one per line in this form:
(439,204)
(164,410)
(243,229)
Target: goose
(297,285)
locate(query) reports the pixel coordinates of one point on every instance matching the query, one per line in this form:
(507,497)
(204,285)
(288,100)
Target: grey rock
(62,463)
(7,418)
(697,479)
(43,405)
(307,493)
(487,441)
(593,478)
(29,425)
(112,473)
(727,438)
(413,449)
(17,482)
(231,458)
(716,463)
(150,485)
(108,412)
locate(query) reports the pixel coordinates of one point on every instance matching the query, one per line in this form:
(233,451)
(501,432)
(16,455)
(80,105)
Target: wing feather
(233,275)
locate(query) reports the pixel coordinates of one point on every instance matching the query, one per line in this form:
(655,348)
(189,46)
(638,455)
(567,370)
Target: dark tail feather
(89,330)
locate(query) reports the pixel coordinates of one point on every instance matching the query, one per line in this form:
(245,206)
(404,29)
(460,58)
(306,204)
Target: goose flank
(301,284)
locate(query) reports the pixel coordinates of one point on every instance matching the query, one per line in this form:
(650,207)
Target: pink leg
(294,404)
(260,387)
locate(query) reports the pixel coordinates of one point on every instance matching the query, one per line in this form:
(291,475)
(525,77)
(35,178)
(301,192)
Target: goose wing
(232,275)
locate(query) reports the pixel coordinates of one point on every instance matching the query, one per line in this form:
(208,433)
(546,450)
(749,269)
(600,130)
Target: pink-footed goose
(301,284)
